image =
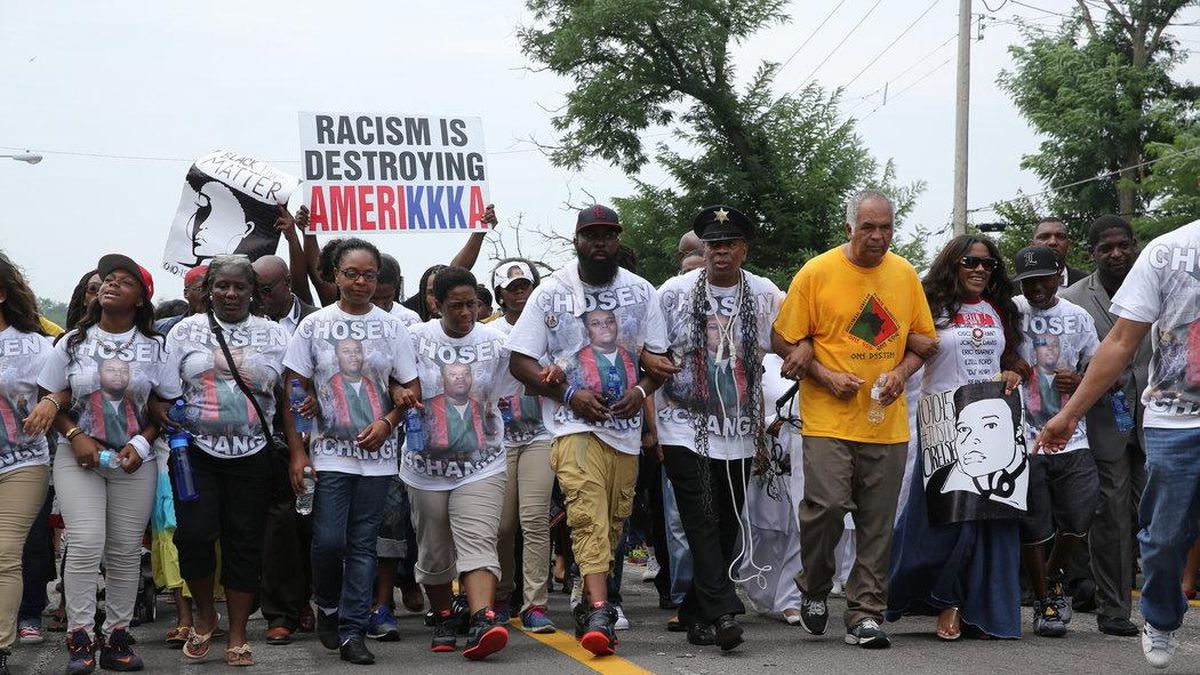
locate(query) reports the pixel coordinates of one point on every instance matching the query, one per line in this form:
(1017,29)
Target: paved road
(771,647)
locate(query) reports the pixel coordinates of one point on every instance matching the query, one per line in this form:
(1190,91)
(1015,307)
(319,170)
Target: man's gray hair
(861,196)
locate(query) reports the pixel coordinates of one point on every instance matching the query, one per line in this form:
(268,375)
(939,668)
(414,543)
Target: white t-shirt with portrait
(526,426)
(407,317)
(1063,337)
(350,359)
(1163,289)
(462,378)
(711,389)
(110,377)
(221,420)
(595,334)
(969,348)
(22,356)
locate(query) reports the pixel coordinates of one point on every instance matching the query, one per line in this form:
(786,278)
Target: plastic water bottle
(613,389)
(1121,411)
(875,411)
(304,500)
(414,434)
(296,396)
(505,407)
(178,440)
(109,460)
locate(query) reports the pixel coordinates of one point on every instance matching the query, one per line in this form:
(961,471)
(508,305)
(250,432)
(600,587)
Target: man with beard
(279,303)
(597,434)
(1119,454)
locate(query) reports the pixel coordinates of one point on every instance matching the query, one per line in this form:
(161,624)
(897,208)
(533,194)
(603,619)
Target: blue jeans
(1168,520)
(677,546)
(347,512)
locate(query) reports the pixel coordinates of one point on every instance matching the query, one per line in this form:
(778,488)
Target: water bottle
(505,407)
(178,440)
(109,460)
(296,396)
(1121,412)
(304,500)
(613,389)
(414,435)
(875,411)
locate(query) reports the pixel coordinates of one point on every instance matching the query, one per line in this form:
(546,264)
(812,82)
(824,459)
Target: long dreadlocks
(751,356)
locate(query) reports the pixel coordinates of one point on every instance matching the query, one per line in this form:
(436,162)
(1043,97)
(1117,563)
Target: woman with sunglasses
(348,356)
(229,459)
(967,572)
(109,364)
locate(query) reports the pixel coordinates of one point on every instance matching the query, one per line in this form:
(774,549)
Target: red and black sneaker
(81,653)
(117,653)
(444,639)
(598,634)
(486,637)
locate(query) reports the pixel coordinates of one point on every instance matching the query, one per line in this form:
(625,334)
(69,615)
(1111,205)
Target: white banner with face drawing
(973,454)
(230,203)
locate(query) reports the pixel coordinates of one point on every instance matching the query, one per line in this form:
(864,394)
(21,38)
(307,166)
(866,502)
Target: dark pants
(37,564)
(650,491)
(347,512)
(287,561)
(1112,537)
(232,509)
(711,533)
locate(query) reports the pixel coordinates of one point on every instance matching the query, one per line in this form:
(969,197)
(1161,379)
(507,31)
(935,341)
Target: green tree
(1174,185)
(54,310)
(788,163)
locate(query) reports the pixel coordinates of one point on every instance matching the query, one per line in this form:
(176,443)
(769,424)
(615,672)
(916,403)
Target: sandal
(950,632)
(178,636)
(239,656)
(197,645)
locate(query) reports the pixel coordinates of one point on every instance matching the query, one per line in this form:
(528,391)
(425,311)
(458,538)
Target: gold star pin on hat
(721,215)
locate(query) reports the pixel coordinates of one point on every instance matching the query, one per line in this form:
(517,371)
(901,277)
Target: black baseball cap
(1034,261)
(597,215)
(116,261)
(721,223)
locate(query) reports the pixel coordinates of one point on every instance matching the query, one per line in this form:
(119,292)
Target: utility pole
(962,114)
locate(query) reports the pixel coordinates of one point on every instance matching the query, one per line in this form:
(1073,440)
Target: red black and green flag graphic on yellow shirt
(874,324)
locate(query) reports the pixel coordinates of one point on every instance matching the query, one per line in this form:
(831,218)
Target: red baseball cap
(115,261)
(195,273)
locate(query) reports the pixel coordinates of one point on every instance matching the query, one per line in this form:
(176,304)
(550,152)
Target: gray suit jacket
(1106,442)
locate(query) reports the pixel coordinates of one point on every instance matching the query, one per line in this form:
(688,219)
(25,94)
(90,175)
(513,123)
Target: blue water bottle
(1121,412)
(296,396)
(613,389)
(178,440)
(414,434)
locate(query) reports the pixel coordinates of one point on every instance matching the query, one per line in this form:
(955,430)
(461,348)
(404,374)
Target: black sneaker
(485,636)
(355,651)
(1116,625)
(728,632)
(1047,622)
(81,653)
(868,635)
(444,638)
(814,615)
(701,635)
(460,611)
(117,653)
(1060,598)
(327,629)
(599,633)
(4,654)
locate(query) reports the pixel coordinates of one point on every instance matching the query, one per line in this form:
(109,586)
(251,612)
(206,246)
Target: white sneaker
(651,571)
(623,623)
(1158,645)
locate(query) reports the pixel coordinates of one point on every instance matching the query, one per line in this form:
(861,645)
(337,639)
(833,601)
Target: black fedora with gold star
(721,223)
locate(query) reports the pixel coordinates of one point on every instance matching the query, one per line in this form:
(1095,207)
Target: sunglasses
(971,262)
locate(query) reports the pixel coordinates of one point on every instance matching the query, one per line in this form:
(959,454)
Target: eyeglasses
(93,288)
(971,262)
(599,234)
(353,275)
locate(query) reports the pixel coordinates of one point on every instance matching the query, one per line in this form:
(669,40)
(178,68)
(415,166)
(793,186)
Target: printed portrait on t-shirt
(604,365)
(110,412)
(974,453)
(1042,399)
(22,356)
(456,421)
(225,406)
(15,405)
(356,398)
(1058,339)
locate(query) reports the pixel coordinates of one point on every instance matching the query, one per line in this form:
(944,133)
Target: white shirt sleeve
(299,357)
(53,377)
(529,335)
(404,364)
(655,340)
(167,383)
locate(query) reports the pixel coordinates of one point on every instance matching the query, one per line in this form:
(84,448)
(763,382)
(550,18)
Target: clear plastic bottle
(613,389)
(414,434)
(875,411)
(296,396)
(304,500)
(1121,412)
(109,460)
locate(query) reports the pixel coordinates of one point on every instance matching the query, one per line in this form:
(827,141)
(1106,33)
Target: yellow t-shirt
(859,319)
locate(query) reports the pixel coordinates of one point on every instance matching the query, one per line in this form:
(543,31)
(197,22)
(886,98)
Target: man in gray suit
(1120,458)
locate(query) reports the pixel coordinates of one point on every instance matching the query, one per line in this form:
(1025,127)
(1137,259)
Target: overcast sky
(158,79)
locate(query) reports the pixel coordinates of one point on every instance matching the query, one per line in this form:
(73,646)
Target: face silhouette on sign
(219,224)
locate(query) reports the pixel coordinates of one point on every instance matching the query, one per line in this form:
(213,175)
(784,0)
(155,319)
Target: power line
(901,74)
(914,83)
(836,47)
(1040,9)
(891,44)
(150,158)
(813,33)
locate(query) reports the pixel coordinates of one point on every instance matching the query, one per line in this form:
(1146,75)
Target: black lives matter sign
(375,173)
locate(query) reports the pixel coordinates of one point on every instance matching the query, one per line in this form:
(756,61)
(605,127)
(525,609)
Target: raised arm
(469,253)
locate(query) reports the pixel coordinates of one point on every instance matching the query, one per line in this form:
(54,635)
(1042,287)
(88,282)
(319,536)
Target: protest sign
(375,173)
(973,454)
(229,205)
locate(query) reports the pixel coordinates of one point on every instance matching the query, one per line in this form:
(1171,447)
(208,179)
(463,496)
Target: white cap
(509,272)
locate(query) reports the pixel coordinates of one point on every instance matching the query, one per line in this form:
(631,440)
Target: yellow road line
(1191,603)
(566,643)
